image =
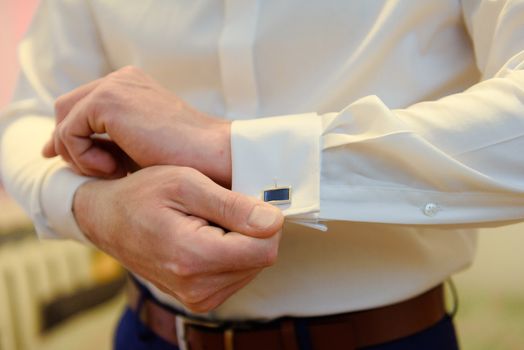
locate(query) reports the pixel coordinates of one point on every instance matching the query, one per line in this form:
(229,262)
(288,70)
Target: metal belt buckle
(229,339)
(182,323)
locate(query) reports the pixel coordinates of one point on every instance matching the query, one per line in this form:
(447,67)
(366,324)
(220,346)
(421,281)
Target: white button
(431,209)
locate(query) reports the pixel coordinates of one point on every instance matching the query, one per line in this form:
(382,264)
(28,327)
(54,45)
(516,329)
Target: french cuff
(57,193)
(275,153)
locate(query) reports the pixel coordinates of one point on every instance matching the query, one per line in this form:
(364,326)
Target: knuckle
(106,97)
(181,181)
(183,270)
(105,92)
(177,188)
(186,172)
(66,136)
(130,69)
(62,132)
(60,107)
(199,307)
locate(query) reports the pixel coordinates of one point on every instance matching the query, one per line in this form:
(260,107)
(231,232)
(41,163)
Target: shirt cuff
(280,152)
(57,193)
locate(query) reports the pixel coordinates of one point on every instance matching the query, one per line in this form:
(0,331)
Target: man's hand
(151,221)
(147,122)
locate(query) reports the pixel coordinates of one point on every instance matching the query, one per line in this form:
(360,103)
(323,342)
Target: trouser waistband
(342,331)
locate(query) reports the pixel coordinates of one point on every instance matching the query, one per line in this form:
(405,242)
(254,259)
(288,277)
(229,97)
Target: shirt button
(431,209)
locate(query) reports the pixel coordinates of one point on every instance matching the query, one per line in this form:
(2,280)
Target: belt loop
(454,297)
(180,325)
(229,339)
(303,335)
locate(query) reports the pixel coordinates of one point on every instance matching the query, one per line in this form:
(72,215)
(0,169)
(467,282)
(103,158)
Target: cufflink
(277,195)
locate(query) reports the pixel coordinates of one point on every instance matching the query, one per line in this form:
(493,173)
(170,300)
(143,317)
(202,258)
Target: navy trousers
(132,334)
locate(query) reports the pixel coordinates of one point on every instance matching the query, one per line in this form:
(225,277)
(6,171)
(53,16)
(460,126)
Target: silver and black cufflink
(277,194)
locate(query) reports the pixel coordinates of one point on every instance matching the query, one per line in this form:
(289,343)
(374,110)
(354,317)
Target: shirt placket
(236,55)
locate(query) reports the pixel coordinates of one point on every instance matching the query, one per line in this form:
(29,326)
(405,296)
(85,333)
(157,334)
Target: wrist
(223,164)
(82,212)
(214,152)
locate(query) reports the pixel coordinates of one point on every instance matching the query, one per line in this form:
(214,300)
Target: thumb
(235,211)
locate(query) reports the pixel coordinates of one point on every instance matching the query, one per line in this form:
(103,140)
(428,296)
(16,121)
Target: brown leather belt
(351,330)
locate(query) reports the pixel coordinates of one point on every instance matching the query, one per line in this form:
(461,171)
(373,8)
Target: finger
(76,132)
(200,288)
(60,148)
(63,106)
(48,150)
(221,296)
(219,252)
(232,210)
(90,159)
(197,248)
(238,251)
(95,161)
(205,285)
(124,164)
(240,213)
(66,102)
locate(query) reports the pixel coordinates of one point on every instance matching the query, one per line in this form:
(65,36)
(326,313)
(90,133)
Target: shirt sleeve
(60,52)
(451,161)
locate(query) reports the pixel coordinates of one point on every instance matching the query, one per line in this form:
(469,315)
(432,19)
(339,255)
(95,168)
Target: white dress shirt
(399,125)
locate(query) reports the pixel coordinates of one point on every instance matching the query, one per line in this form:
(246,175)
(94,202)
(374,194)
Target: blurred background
(62,295)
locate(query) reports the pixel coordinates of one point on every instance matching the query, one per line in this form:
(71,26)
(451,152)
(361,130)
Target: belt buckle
(183,322)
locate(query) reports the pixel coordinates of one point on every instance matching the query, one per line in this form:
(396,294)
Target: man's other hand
(157,223)
(146,121)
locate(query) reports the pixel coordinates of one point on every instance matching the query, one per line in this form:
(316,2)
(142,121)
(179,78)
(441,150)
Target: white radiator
(32,273)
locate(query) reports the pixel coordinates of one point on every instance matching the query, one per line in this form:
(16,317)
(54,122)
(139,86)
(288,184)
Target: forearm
(459,154)
(210,154)
(455,160)
(44,187)
(48,68)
